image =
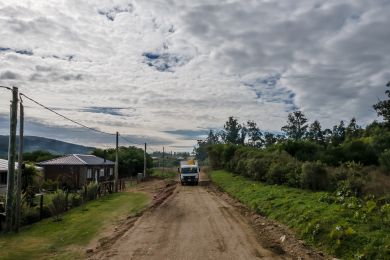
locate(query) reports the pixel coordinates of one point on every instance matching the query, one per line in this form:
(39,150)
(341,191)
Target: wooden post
(11,160)
(163,162)
(145,162)
(20,169)
(116,164)
(41,207)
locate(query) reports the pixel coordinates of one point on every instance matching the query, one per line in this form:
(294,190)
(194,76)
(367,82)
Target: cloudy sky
(166,71)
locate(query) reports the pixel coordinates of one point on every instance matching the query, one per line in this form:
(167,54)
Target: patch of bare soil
(271,234)
(158,190)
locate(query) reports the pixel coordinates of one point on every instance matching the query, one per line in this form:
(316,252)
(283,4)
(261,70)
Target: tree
(130,159)
(327,136)
(233,133)
(296,125)
(254,134)
(353,130)
(269,139)
(382,108)
(212,138)
(338,134)
(315,133)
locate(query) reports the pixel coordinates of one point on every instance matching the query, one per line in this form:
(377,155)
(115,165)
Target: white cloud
(212,59)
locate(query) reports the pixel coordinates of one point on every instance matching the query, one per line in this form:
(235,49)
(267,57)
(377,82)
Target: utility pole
(145,162)
(11,159)
(20,168)
(163,160)
(116,164)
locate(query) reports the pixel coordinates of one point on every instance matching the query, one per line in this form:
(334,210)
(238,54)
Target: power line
(6,87)
(65,117)
(71,120)
(130,142)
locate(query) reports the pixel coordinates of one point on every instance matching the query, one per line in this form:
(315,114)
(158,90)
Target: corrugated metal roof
(77,159)
(4,165)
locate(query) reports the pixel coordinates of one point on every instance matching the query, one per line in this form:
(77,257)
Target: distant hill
(33,143)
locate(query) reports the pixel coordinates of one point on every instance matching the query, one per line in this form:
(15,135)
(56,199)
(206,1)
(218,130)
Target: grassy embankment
(169,173)
(335,228)
(68,239)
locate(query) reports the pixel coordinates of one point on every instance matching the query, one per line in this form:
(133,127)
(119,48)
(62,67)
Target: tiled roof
(77,159)
(4,165)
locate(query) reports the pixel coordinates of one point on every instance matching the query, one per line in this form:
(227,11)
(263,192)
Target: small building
(3,174)
(76,170)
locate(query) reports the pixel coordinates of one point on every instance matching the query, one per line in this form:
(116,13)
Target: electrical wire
(71,120)
(65,117)
(6,87)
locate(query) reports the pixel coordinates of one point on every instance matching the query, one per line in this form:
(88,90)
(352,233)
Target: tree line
(345,141)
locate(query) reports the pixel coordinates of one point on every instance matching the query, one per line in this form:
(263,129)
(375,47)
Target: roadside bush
(360,151)
(384,160)
(228,153)
(381,142)
(29,214)
(314,176)
(333,156)
(351,177)
(241,168)
(258,168)
(214,153)
(50,185)
(294,175)
(302,150)
(92,191)
(76,200)
(58,204)
(278,173)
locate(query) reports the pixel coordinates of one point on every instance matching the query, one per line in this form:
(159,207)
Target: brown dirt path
(192,224)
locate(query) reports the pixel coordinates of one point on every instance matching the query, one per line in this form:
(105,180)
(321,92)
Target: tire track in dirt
(191,224)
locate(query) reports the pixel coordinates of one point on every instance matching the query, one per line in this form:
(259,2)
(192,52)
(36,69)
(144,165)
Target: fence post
(41,207)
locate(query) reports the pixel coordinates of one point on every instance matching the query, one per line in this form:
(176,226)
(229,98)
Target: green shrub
(302,150)
(58,204)
(294,174)
(76,200)
(352,177)
(50,185)
(360,151)
(314,176)
(215,154)
(384,160)
(92,191)
(277,173)
(29,214)
(241,167)
(258,168)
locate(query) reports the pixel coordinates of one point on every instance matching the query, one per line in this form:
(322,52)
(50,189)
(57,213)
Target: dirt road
(192,224)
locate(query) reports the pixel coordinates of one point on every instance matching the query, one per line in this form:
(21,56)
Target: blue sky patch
(164,62)
(111,13)
(114,111)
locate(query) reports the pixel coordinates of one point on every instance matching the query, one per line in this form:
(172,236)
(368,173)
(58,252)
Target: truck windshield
(189,170)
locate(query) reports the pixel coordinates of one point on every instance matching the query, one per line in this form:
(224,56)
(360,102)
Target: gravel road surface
(192,224)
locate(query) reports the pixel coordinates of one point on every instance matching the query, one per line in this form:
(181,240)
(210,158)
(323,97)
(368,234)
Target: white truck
(189,172)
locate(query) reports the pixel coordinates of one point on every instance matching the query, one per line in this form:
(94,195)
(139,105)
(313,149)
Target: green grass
(167,174)
(329,226)
(68,238)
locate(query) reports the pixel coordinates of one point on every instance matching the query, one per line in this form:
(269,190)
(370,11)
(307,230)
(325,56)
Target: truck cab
(189,172)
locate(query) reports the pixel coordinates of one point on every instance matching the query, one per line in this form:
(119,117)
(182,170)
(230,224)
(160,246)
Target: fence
(36,206)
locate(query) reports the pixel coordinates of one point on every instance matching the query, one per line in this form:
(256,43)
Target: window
(111,171)
(189,170)
(101,173)
(89,173)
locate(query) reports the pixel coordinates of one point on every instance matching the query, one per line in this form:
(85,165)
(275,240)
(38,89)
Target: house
(76,170)
(3,175)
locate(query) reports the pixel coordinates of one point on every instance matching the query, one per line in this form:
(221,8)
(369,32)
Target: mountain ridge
(33,143)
